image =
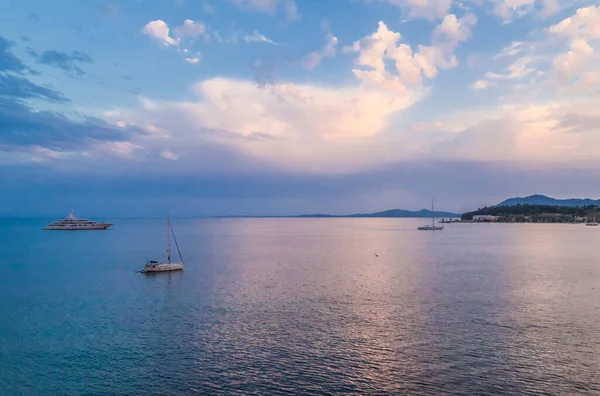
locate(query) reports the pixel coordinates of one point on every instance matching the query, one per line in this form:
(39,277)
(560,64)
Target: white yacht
(431,227)
(156,266)
(72,223)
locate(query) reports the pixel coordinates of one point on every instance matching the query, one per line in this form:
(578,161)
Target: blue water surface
(300,306)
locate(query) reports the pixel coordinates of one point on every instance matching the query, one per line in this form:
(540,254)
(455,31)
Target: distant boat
(72,223)
(156,266)
(431,227)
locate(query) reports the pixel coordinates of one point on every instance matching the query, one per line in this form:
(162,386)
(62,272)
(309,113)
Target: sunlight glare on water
(300,306)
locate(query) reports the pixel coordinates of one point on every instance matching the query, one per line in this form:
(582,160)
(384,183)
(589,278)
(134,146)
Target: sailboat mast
(168,241)
(432,216)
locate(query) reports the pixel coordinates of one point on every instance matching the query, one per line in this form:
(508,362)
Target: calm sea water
(300,306)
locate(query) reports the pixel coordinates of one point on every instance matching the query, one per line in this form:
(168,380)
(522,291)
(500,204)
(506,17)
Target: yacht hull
(96,226)
(162,268)
(430,228)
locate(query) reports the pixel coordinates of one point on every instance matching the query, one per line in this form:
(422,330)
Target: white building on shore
(481,218)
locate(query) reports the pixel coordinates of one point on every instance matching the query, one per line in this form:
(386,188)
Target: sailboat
(156,266)
(431,227)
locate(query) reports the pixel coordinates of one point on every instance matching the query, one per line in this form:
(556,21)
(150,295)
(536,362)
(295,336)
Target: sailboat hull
(162,267)
(430,228)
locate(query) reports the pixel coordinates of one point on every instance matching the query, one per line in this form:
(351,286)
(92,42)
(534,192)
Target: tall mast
(432,216)
(168,242)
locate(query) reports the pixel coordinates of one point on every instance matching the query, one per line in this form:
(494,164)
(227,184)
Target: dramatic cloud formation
(422,100)
(411,67)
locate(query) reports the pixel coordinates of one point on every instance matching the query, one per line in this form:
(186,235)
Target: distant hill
(392,213)
(547,201)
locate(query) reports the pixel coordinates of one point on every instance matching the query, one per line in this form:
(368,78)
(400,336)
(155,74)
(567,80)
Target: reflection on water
(301,306)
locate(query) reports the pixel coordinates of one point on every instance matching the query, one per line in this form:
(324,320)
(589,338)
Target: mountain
(544,200)
(397,213)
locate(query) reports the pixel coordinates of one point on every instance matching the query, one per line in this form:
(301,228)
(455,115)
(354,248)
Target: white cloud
(537,132)
(159,31)
(511,50)
(288,124)
(410,67)
(193,60)
(517,70)
(314,59)
(480,85)
(508,10)
(580,29)
(41,154)
(256,37)
(166,154)
(572,63)
(562,57)
(190,29)
(584,24)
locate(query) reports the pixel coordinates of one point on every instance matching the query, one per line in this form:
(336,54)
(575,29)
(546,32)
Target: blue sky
(288,106)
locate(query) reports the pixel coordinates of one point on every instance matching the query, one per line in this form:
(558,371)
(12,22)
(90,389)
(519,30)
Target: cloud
(578,123)
(24,128)
(13,86)
(289,7)
(584,24)
(34,17)
(480,85)
(166,154)
(190,29)
(231,39)
(428,9)
(159,31)
(8,61)
(508,10)
(193,60)
(580,29)
(572,64)
(314,59)
(325,126)
(256,37)
(64,61)
(410,67)
(517,70)
(511,50)
(561,58)
(21,88)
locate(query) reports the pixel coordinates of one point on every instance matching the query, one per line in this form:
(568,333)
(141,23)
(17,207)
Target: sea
(302,307)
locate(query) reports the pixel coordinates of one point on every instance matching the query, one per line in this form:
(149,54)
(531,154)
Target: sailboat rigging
(431,227)
(155,266)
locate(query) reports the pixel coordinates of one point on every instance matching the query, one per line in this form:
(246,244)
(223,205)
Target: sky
(269,107)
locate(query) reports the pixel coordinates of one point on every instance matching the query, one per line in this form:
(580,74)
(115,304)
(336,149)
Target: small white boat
(431,227)
(157,266)
(72,223)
